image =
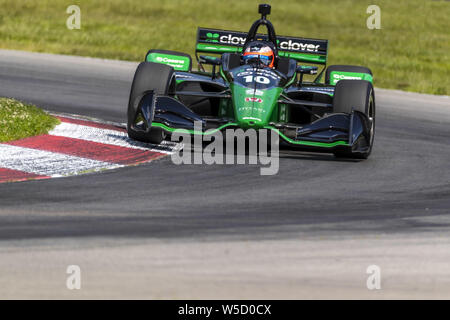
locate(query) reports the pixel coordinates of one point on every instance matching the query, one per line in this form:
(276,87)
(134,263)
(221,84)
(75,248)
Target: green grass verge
(19,120)
(410,52)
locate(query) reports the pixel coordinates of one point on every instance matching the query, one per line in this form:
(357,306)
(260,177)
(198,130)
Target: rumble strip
(76,146)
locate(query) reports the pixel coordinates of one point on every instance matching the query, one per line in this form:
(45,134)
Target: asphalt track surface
(223,231)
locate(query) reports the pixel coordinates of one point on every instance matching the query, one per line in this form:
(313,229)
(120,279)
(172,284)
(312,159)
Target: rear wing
(301,49)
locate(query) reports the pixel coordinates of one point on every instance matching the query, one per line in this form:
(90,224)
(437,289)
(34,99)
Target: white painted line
(112,137)
(48,163)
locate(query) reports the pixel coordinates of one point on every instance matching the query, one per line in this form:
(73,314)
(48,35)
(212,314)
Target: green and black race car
(255,82)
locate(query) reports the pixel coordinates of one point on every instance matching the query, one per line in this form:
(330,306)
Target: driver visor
(264,59)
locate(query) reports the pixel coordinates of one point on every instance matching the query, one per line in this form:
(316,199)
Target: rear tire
(149,76)
(355,95)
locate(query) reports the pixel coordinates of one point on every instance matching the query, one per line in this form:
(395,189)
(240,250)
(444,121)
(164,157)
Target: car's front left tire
(149,76)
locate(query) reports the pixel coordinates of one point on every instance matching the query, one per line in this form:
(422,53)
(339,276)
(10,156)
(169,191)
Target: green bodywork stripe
(216,48)
(304,57)
(290,81)
(222,74)
(308,143)
(208,132)
(212,131)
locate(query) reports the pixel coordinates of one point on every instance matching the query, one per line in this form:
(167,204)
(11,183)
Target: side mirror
(307,70)
(210,60)
(214,61)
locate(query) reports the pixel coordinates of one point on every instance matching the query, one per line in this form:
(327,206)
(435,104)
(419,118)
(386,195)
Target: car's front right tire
(357,95)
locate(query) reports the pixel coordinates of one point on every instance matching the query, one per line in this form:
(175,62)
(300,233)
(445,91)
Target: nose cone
(253,107)
(251,122)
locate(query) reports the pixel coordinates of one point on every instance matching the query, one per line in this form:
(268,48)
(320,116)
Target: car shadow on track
(314,157)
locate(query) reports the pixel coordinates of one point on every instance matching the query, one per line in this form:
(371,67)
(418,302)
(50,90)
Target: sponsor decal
(260,72)
(341,75)
(255,92)
(253,109)
(299,46)
(232,40)
(324,90)
(183,76)
(253,99)
(286,45)
(177,62)
(212,37)
(168,60)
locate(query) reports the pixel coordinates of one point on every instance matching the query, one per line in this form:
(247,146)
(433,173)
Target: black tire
(149,76)
(356,95)
(345,69)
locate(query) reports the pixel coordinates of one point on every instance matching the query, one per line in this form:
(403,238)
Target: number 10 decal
(259,79)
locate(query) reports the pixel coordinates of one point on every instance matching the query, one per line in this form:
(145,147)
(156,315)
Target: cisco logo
(168,60)
(341,77)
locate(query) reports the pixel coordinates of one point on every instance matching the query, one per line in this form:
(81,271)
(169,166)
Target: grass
(18,120)
(410,51)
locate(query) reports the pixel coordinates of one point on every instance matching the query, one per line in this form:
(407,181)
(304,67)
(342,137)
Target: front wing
(336,131)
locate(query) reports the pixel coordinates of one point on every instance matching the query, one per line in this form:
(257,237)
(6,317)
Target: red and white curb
(76,146)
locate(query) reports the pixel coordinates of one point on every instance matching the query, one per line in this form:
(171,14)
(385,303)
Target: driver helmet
(259,50)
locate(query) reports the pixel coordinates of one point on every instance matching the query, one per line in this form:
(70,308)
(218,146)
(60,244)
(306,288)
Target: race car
(256,82)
